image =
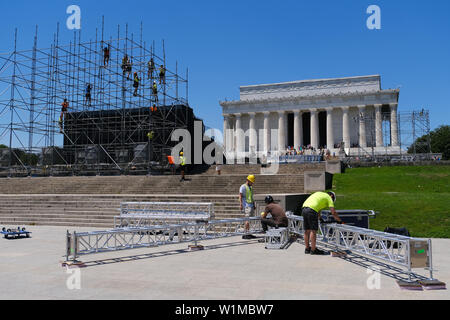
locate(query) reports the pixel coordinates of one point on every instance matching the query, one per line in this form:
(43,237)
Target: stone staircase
(92,210)
(94,201)
(197,184)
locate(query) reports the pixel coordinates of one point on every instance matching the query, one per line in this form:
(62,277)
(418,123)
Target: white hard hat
(333,195)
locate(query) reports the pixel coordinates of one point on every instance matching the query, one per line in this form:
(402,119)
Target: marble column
(314,129)
(226,129)
(330,133)
(281,131)
(378,126)
(252,134)
(346,127)
(239,133)
(266,132)
(394,125)
(362,126)
(298,129)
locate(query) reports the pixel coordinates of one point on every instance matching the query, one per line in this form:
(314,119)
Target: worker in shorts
(247,203)
(311,209)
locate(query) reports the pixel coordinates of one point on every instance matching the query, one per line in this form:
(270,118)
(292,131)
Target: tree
(439,141)
(2,146)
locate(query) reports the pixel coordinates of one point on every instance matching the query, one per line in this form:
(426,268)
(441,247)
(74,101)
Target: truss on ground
(78,244)
(137,214)
(405,252)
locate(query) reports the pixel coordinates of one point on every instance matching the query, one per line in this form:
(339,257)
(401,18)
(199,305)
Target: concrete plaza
(229,268)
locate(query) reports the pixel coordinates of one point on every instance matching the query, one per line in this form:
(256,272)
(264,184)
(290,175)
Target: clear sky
(227,44)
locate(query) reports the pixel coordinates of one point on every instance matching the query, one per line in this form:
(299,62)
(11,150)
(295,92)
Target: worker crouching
(279,218)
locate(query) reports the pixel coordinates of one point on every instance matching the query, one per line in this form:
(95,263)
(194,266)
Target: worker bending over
(247,203)
(312,207)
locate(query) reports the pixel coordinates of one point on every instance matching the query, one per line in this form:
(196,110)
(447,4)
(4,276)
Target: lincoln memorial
(353,113)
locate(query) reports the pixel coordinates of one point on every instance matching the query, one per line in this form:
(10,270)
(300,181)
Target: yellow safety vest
(248,194)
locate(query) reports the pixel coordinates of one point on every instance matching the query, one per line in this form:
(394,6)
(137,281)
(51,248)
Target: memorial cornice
(314,101)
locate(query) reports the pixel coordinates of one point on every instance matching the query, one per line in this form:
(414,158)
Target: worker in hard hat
(247,203)
(182,166)
(155,90)
(279,218)
(311,209)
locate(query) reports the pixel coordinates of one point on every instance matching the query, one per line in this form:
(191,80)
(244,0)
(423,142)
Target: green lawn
(417,198)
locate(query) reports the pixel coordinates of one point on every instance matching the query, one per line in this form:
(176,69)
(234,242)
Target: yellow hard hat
(251,178)
(181,153)
(262,213)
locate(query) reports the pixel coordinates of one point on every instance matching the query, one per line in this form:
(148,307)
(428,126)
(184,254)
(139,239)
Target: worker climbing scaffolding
(126,66)
(64,109)
(162,75)
(106,55)
(151,68)
(87,96)
(136,84)
(155,91)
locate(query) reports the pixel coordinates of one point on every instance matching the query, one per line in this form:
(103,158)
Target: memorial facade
(353,113)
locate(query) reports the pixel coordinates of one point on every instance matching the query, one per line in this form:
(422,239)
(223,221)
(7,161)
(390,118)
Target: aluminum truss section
(403,251)
(395,249)
(78,244)
(140,214)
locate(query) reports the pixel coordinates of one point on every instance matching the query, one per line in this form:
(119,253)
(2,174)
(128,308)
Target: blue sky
(227,44)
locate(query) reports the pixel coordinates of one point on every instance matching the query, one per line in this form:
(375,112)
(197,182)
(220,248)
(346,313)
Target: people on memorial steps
(311,210)
(182,166)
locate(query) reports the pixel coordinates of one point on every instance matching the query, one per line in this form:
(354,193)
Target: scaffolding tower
(130,106)
(411,126)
